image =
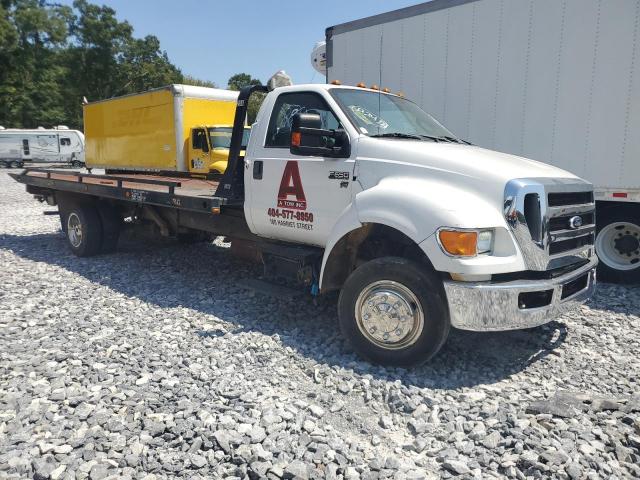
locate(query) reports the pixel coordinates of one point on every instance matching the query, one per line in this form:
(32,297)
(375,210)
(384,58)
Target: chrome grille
(553,220)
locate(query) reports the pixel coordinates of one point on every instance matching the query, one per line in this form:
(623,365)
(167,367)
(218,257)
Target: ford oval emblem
(575,222)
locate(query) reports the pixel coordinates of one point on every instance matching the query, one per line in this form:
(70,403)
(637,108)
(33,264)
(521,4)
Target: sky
(212,40)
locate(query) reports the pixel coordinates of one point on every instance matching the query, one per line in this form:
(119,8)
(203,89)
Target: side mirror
(308,139)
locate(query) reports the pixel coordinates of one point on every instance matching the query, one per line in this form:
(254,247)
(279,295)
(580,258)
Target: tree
(240,80)
(189,80)
(51,56)
(32,34)
(145,66)
(107,61)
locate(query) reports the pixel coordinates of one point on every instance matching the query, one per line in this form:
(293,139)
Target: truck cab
(209,148)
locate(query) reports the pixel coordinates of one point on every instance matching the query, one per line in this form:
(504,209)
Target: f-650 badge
(338,175)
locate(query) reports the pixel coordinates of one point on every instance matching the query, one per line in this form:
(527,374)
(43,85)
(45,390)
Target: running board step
(270,289)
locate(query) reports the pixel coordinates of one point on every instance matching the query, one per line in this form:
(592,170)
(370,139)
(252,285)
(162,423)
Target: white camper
(552,80)
(56,145)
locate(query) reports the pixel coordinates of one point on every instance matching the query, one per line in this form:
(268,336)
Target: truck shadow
(205,278)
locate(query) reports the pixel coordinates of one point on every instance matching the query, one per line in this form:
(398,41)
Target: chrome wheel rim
(389,315)
(618,245)
(74,230)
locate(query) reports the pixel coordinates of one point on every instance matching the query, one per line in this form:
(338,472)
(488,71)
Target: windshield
(221,137)
(377,114)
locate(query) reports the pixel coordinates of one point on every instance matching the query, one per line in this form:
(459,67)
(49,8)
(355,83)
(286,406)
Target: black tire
(618,244)
(424,286)
(87,219)
(111,226)
(15,164)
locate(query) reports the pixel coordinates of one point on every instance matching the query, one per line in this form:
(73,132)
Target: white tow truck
(361,191)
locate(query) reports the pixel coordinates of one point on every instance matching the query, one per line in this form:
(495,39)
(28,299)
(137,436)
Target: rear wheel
(84,229)
(618,245)
(393,311)
(15,164)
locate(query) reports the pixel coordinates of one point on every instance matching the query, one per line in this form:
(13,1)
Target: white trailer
(56,145)
(552,80)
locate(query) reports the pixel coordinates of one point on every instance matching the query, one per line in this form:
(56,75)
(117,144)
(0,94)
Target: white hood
(470,167)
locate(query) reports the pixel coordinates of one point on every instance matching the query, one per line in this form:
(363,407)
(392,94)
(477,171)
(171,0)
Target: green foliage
(52,56)
(239,80)
(189,80)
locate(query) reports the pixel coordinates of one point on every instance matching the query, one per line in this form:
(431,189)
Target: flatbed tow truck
(360,191)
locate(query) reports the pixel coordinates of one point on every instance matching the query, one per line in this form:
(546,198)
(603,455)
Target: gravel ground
(154,362)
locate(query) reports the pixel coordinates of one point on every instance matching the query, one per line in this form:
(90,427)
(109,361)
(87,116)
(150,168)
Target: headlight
(485,241)
(465,243)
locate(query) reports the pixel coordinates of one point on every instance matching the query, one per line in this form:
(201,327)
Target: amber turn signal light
(460,244)
(295,139)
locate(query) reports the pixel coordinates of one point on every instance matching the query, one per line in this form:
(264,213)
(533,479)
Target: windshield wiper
(446,138)
(397,135)
(457,140)
(415,136)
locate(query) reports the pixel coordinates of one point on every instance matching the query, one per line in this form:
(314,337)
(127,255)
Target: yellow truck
(161,130)
(220,142)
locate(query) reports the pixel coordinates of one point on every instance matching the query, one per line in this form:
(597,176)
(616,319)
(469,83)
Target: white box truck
(54,145)
(553,80)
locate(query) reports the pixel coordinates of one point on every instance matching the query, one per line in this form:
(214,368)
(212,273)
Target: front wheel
(618,245)
(393,312)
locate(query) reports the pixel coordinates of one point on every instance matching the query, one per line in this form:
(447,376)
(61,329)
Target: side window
(286,106)
(65,142)
(198,139)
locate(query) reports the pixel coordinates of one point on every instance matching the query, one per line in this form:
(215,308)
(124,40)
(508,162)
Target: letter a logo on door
(291,193)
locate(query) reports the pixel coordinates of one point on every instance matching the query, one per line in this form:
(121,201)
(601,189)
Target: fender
(417,208)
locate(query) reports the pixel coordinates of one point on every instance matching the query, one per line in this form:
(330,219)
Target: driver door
(294,197)
(199,151)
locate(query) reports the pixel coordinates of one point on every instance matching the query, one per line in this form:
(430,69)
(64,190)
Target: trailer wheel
(111,226)
(84,229)
(618,245)
(393,312)
(76,164)
(14,164)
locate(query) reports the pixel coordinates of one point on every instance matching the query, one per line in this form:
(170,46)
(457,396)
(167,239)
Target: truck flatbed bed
(182,193)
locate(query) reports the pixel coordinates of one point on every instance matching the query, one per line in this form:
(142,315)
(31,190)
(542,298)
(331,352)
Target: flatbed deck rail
(190,194)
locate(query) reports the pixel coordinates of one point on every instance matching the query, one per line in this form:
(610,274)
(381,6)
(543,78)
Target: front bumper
(512,305)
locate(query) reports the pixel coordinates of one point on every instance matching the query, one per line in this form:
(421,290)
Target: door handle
(257,169)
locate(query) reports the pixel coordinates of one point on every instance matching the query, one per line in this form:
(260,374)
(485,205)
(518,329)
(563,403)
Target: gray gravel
(154,362)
